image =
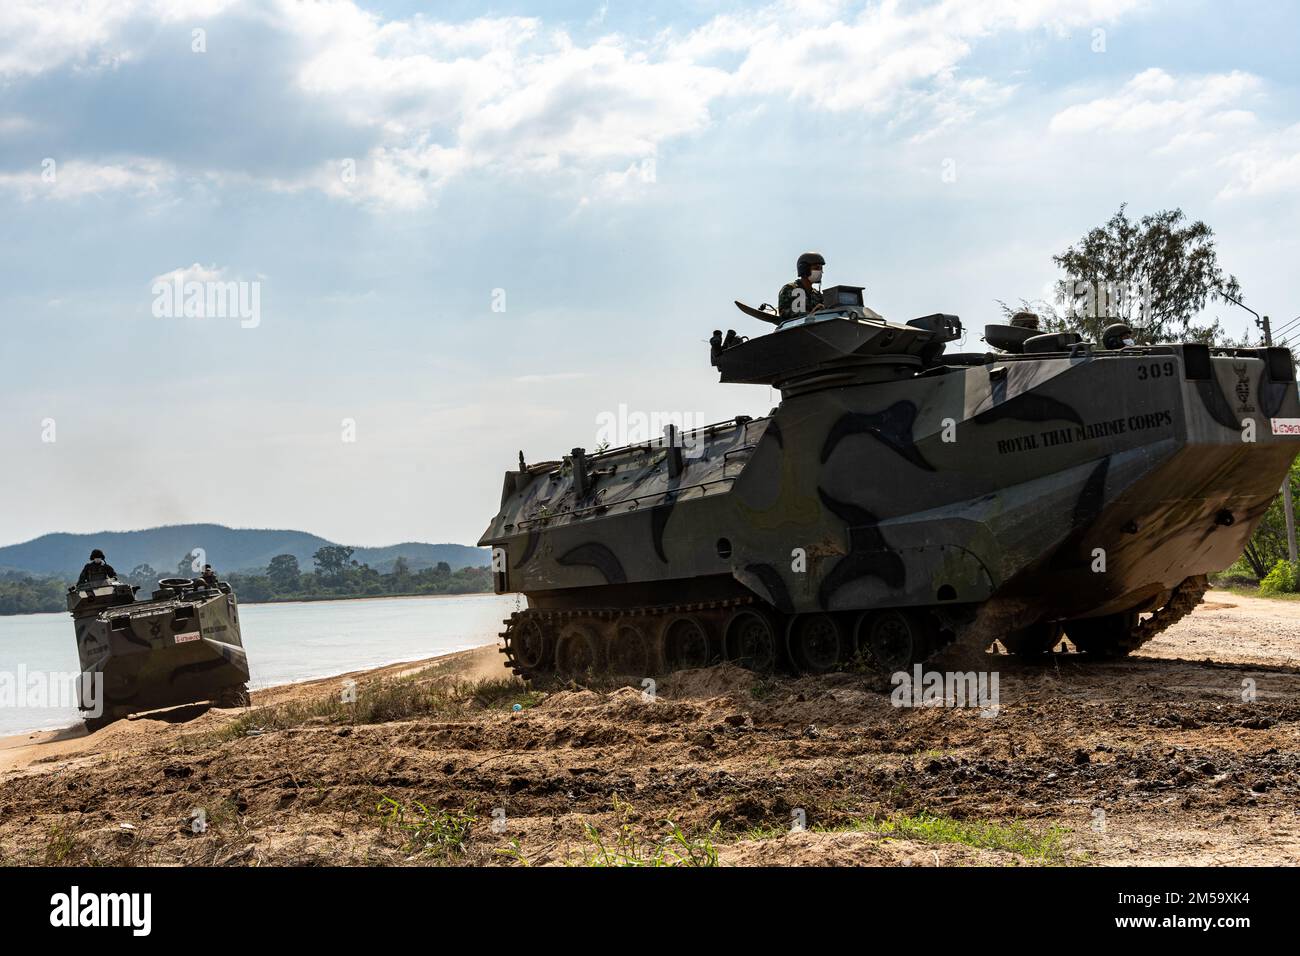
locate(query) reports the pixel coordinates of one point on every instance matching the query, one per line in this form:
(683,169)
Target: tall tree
(284,574)
(401,573)
(1154,275)
(332,561)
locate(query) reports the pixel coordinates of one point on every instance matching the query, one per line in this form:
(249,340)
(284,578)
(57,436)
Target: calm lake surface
(285,643)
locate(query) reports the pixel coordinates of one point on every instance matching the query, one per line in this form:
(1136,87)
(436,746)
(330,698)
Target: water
(285,643)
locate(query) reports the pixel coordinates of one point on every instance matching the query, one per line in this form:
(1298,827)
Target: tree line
(334,575)
(337,575)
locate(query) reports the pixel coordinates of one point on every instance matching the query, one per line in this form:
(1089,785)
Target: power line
(1288,327)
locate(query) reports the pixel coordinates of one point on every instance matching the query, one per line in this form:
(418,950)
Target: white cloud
(37,36)
(1203,122)
(873,59)
(1268,166)
(408,75)
(75,179)
(392,176)
(509,94)
(631,183)
(191,273)
(1155,101)
(590,106)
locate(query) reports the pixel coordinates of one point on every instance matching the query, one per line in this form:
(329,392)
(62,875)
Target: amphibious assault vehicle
(899,498)
(180,647)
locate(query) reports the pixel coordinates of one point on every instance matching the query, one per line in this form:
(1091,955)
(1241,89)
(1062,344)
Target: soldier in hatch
(97,570)
(209,576)
(799,297)
(1117,336)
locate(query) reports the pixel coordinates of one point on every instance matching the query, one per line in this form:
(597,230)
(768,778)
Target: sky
(425,237)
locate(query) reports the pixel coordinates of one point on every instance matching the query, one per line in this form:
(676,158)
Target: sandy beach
(50,749)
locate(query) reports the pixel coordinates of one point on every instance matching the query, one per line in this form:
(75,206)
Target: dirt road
(1186,753)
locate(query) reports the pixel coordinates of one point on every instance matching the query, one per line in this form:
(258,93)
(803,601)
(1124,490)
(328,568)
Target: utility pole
(1288,506)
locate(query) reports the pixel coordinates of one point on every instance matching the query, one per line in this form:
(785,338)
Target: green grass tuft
(422,831)
(1015,837)
(629,847)
(384,700)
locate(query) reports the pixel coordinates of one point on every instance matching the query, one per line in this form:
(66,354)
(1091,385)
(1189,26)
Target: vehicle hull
(1045,487)
(144,655)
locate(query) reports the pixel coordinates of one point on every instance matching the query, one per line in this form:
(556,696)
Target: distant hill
(228,549)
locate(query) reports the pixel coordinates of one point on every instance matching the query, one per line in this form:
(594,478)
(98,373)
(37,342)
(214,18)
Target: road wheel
(578,650)
(894,640)
(816,643)
(749,639)
(686,643)
(530,644)
(632,651)
(1031,643)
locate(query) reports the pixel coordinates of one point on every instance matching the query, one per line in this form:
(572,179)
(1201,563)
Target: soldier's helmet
(1116,336)
(806,262)
(97,554)
(1025,320)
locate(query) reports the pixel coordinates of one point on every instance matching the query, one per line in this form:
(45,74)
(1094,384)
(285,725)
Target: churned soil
(1186,753)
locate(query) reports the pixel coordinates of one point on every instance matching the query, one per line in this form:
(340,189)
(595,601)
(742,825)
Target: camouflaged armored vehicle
(899,498)
(180,647)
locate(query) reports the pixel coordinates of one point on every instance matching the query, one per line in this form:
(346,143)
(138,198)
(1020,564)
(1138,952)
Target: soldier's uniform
(789,297)
(93,572)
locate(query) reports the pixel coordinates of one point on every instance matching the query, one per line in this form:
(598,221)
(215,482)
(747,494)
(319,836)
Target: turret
(842,342)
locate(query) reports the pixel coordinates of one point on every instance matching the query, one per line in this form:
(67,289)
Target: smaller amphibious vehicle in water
(180,647)
(901,497)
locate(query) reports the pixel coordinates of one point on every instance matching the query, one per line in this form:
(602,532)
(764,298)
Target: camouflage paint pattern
(979,479)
